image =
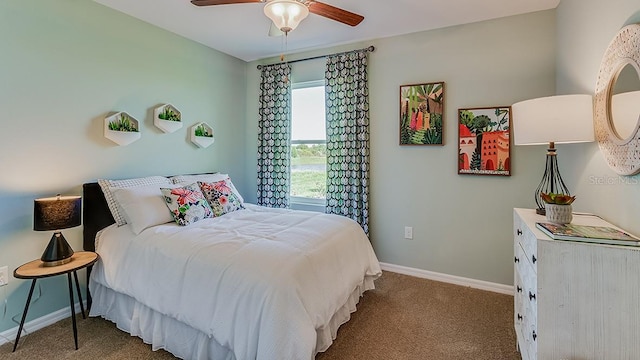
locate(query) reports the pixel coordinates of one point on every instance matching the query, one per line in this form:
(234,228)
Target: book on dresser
(588,233)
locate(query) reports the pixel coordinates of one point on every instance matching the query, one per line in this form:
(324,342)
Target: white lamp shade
(286,14)
(561,119)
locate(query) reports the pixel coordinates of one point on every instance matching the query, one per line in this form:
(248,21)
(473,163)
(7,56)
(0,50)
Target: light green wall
(64,65)
(585,29)
(461,223)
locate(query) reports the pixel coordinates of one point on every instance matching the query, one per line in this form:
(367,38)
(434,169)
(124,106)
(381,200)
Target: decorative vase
(558,214)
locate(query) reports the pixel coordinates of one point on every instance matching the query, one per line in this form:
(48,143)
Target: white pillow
(143,206)
(208,178)
(107,185)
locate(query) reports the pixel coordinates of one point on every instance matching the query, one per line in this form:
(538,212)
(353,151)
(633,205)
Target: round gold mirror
(617,102)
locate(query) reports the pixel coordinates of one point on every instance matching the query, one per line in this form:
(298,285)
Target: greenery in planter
(559,199)
(202,131)
(169,114)
(124,123)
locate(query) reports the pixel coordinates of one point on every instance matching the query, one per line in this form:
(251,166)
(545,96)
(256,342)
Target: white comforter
(262,282)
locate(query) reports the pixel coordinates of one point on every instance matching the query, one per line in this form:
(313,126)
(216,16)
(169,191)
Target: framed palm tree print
(484,141)
(421,114)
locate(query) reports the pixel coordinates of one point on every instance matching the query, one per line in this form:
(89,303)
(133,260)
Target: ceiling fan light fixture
(286,14)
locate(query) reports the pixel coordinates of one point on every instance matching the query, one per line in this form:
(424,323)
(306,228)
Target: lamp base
(56,263)
(551,180)
(58,251)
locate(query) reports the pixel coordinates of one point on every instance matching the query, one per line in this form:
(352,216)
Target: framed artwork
(484,141)
(421,110)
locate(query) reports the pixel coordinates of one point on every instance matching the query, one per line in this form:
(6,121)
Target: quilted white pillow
(107,185)
(207,178)
(143,206)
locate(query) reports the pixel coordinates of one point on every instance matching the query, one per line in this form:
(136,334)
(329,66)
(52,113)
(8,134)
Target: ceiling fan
(287,14)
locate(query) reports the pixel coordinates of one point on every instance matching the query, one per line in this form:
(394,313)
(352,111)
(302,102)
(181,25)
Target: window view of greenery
(309,170)
(308,145)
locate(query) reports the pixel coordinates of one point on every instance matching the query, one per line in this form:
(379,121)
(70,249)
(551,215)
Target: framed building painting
(421,114)
(484,141)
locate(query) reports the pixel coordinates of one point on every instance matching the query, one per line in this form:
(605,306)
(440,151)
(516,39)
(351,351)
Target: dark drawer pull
(533,258)
(532,296)
(518,289)
(534,335)
(519,317)
(519,232)
(515,259)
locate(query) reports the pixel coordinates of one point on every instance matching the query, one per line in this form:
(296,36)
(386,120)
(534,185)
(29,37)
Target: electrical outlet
(4,276)
(408,232)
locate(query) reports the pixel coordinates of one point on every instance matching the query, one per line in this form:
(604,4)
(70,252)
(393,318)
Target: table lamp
(56,213)
(561,119)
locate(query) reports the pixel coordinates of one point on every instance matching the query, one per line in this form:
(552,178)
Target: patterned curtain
(347,106)
(274,133)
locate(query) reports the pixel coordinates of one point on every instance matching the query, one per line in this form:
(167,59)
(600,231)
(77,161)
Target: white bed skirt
(183,341)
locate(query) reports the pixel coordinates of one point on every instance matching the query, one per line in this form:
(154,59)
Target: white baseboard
(39,323)
(457,280)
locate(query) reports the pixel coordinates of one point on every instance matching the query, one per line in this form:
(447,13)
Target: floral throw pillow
(187,204)
(221,197)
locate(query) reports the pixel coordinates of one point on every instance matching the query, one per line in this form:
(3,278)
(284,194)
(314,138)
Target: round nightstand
(36,270)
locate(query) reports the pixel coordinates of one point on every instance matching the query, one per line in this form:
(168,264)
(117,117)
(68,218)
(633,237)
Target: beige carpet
(404,318)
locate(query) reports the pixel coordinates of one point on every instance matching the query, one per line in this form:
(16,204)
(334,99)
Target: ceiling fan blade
(334,13)
(221,2)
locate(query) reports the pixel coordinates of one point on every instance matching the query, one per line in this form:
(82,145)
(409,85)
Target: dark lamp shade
(57,213)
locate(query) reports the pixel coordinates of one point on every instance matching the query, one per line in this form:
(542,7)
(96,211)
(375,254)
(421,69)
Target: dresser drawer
(519,312)
(527,240)
(524,267)
(518,298)
(525,301)
(530,294)
(531,337)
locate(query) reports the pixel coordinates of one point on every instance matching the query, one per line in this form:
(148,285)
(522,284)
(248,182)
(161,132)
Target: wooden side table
(35,270)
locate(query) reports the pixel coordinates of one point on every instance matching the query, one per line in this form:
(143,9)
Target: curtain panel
(274,134)
(347,106)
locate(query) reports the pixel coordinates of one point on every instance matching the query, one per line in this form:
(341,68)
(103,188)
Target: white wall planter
(122,138)
(200,140)
(164,124)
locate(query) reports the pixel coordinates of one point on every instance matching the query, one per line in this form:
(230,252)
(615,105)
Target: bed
(256,283)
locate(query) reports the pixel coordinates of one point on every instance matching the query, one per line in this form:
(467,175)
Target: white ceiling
(241,30)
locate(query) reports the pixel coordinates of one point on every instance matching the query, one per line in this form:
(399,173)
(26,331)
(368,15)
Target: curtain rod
(368,49)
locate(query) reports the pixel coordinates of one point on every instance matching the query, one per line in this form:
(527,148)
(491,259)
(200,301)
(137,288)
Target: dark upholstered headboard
(96,216)
(95,213)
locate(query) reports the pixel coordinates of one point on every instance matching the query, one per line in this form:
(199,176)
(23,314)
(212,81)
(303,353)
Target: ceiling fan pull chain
(282,58)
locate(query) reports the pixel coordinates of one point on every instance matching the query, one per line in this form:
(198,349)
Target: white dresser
(574,301)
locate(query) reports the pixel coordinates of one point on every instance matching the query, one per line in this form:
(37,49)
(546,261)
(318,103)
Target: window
(308,144)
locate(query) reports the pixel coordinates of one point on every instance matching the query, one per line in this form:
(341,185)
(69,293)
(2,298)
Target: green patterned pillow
(187,204)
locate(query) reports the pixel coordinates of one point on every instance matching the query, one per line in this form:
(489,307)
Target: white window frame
(305,202)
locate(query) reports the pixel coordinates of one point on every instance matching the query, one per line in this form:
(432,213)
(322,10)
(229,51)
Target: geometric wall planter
(167,118)
(202,135)
(121,128)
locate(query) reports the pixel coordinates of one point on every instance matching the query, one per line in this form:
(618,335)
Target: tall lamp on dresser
(551,120)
